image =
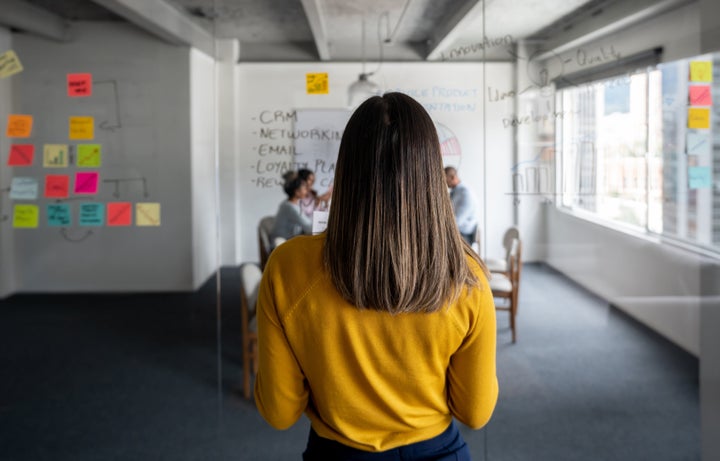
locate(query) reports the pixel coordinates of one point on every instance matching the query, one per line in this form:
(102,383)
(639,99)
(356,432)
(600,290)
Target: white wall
(453,94)
(154,142)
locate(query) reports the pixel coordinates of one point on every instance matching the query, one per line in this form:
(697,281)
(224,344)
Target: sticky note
(82,128)
(9,64)
(147,214)
(55,155)
(699,177)
(19,126)
(317,83)
(698,118)
(57,186)
(119,213)
(89,155)
(79,85)
(91,214)
(700,95)
(58,215)
(698,143)
(25,216)
(21,154)
(24,189)
(700,71)
(86,183)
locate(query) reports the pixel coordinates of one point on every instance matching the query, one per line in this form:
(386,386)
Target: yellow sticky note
(317,83)
(698,118)
(147,214)
(82,127)
(25,216)
(700,71)
(9,64)
(19,126)
(55,155)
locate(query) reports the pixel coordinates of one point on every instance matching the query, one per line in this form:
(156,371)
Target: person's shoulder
(302,251)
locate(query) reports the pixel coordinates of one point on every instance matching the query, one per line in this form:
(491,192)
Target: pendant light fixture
(363,87)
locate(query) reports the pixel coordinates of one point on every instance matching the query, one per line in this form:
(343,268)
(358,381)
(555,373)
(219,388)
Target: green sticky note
(25,216)
(89,155)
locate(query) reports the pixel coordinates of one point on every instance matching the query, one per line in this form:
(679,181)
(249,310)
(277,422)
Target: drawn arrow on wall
(69,238)
(117,182)
(107,125)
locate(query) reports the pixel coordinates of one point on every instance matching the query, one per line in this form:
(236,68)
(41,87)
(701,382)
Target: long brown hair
(391,240)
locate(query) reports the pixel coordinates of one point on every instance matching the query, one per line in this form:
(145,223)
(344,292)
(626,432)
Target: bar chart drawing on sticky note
(21,154)
(25,216)
(89,155)
(147,214)
(55,155)
(86,183)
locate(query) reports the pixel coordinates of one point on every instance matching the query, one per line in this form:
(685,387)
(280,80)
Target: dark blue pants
(448,446)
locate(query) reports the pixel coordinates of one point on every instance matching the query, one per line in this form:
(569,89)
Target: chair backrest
(511,234)
(515,263)
(265,227)
(250,276)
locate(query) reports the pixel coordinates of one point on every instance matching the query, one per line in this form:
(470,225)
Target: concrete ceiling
(345,30)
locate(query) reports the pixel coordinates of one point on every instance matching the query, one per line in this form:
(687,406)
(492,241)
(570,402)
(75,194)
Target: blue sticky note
(699,177)
(24,189)
(698,143)
(92,214)
(58,215)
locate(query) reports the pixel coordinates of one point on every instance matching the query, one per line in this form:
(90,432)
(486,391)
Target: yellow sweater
(365,378)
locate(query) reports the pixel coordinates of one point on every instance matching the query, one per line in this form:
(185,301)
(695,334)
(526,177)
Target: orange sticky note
(21,154)
(79,85)
(700,71)
(698,118)
(700,95)
(19,126)
(57,185)
(317,83)
(119,213)
(82,128)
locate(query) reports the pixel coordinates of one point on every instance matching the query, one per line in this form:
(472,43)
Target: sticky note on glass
(57,186)
(82,128)
(699,95)
(700,71)
(9,64)
(91,214)
(21,154)
(55,155)
(316,83)
(79,85)
(24,189)
(699,177)
(697,143)
(147,214)
(698,118)
(19,126)
(58,215)
(89,155)
(86,183)
(25,216)
(119,213)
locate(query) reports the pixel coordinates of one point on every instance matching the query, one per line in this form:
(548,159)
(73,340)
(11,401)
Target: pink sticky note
(86,183)
(79,85)
(700,95)
(21,154)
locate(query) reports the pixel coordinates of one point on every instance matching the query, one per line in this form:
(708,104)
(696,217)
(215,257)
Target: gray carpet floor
(138,377)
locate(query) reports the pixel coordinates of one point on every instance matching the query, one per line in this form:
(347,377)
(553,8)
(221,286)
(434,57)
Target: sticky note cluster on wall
(89,214)
(698,143)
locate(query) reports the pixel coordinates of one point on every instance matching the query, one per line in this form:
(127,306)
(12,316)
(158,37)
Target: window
(639,150)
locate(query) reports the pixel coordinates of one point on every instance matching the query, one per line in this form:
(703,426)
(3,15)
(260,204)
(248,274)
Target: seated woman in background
(289,221)
(312,201)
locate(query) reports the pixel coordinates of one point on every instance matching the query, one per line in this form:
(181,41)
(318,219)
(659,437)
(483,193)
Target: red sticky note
(86,183)
(21,154)
(57,185)
(79,85)
(119,213)
(700,95)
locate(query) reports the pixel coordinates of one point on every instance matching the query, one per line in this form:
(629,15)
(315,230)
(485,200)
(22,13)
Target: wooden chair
(250,275)
(265,227)
(505,287)
(502,265)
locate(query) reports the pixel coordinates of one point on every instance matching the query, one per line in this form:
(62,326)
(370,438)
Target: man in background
(464,205)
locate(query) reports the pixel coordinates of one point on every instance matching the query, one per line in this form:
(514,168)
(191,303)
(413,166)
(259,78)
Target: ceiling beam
(30,18)
(163,20)
(317,26)
(447,32)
